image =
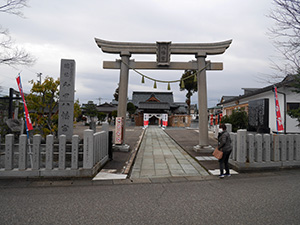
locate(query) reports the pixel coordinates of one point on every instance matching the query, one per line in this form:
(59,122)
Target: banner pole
(26,119)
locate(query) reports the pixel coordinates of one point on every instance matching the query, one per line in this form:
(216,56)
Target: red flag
(27,117)
(277,109)
(220,118)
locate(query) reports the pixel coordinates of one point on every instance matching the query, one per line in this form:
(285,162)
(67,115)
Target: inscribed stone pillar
(241,153)
(202,102)
(66,98)
(123,88)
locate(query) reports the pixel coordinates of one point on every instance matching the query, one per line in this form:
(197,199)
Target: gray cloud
(66,29)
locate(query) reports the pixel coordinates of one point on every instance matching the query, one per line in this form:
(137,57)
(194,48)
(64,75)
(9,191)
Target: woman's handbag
(217,153)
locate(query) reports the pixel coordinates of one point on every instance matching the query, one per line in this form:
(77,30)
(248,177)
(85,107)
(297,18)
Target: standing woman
(224,145)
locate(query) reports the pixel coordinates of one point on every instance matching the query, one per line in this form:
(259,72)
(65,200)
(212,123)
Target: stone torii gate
(163,51)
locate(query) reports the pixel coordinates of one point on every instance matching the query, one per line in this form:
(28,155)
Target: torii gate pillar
(123,89)
(202,103)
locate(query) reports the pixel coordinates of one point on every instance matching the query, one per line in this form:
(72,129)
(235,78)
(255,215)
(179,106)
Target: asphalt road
(269,198)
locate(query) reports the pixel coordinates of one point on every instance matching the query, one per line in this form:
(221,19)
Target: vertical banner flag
(26,114)
(165,120)
(277,110)
(146,120)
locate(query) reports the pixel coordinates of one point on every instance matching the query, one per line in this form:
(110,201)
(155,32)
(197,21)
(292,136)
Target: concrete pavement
(160,156)
(272,198)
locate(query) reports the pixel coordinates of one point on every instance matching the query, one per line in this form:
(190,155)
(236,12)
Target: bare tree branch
(16,56)
(10,54)
(286,33)
(14,7)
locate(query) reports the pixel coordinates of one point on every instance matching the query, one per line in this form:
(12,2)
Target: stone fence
(268,151)
(54,160)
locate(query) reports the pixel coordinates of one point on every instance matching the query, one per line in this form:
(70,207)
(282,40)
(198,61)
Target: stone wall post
(23,152)
(88,146)
(267,148)
(241,146)
(9,151)
(62,152)
(233,144)
(49,152)
(259,148)
(251,148)
(75,143)
(36,152)
(66,98)
(105,126)
(283,147)
(276,148)
(297,148)
(290,139)
(228,127)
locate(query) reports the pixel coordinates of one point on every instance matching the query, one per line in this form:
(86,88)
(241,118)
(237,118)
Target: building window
(291,106)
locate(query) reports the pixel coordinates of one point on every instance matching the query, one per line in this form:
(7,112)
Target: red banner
(26,114)
(220,118)
(211,119)
(165,120)
(277,109)
(146,120)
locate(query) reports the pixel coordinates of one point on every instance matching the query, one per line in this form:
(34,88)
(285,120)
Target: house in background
(155,104)
(260,106)
(107,108)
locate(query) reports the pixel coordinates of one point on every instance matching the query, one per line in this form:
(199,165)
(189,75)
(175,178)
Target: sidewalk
(185,139)
(160,156)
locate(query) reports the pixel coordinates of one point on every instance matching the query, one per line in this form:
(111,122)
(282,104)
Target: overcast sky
(65,29)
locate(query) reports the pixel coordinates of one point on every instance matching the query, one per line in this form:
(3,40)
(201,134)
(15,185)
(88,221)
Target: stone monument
(66,98)
(258,114)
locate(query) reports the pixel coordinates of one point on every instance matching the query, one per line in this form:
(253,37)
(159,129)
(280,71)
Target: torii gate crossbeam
(163,51)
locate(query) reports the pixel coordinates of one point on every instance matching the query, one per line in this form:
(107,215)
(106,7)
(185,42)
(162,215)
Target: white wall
(291,124)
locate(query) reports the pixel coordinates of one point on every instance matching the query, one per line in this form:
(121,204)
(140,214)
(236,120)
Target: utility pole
(40,76)
(99,100)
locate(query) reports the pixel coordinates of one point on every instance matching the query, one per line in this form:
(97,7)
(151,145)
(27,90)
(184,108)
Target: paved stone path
(160,156)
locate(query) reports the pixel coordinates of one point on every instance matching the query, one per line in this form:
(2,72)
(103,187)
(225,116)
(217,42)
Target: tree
(116,94)
(4,104)
(238,119)
(114,113)
(130,108)
(42,102)
(77,110)
(190,85)
(91,111)
(101,116)
(9,53)
(286,33)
